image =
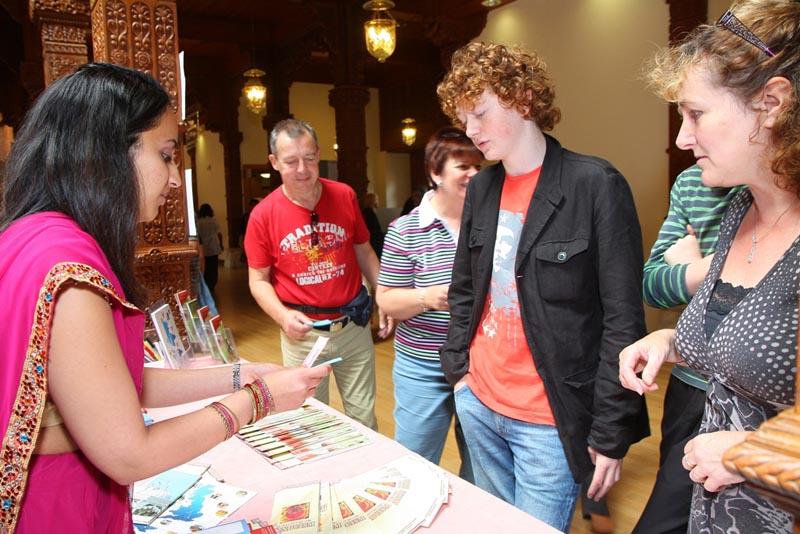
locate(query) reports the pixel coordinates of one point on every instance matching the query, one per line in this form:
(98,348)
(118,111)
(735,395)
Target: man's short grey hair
(294,128)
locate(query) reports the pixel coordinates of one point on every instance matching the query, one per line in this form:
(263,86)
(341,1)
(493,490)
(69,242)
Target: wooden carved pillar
(684,16)
(143,34)
(349,103)
(231,139)
(64,28)
(277,104)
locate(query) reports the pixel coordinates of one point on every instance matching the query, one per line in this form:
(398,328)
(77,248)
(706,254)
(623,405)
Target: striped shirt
(690,202)
(418,252)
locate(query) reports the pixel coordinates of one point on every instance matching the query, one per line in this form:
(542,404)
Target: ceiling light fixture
(409,131)
(380,31)
(491,3)
(254,91)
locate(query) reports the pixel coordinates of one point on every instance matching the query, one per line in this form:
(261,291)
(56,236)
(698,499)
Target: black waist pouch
(358,310)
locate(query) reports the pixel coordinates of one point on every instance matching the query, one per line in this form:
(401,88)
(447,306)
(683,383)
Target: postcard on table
(168,335)
(155,494)
(296,509)
(205,505)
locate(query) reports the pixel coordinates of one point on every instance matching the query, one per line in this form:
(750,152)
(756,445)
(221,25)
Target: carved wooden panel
(167,50)
(142,34)
(67,7)
(64,37)
(165,272)
(770,460)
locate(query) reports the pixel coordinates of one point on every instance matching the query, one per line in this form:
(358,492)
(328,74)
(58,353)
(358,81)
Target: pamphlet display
(300,436)
(398,497)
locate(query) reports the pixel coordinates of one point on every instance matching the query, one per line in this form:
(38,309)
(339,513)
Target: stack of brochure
(398,497)
(204,332)
(184,499)
(242,526)
(299,436)
(204,335)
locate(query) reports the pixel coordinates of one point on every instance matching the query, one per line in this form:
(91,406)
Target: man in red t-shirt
(307,247)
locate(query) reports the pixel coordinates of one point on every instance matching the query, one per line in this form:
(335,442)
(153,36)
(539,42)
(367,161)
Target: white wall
(210,174)
(595,50)
(309,101)
(716,8)
(254,148)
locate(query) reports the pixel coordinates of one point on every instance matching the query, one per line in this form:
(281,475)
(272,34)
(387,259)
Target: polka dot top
(753,350)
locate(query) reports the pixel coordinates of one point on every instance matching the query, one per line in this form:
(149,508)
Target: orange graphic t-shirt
(502,373)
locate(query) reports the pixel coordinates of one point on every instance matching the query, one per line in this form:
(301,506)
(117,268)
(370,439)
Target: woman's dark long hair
(74,154)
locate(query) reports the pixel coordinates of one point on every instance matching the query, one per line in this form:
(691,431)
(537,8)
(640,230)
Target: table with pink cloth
(470,509)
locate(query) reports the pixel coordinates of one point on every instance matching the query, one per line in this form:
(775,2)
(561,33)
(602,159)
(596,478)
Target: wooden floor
(257,338)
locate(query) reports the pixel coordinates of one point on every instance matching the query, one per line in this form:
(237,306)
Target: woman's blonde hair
(739,65)
(518,78)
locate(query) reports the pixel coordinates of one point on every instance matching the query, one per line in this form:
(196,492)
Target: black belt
(335,325)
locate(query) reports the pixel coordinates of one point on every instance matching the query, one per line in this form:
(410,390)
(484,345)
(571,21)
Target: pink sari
(64,492)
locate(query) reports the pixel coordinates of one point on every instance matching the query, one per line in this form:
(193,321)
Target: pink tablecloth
(470,509)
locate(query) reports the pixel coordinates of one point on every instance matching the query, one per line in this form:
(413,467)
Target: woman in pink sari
(94,158)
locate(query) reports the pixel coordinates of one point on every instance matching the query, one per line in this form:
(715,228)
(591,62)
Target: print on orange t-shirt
(502,373)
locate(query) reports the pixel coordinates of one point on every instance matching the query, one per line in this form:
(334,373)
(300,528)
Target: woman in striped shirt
(416,267)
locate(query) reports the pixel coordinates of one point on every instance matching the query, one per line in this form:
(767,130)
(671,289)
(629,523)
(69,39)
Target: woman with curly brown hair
(736,84)
(544,294)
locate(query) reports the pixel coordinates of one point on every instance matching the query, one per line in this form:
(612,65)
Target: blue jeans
(423,409)
(522,463)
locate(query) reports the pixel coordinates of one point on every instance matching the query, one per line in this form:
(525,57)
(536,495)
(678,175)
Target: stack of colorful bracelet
(263,403)
(228,417)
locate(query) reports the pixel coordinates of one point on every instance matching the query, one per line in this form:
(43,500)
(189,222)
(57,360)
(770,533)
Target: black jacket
(579,281)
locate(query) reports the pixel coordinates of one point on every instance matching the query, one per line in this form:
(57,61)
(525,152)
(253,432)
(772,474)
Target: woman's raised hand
(646,355)
(290,387)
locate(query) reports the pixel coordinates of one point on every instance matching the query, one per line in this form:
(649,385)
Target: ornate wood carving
(770,457)
(142,34)
(117,36)
(164,272)
(64,29)
(770,461)
(349,102)
(66,7)
(166,32)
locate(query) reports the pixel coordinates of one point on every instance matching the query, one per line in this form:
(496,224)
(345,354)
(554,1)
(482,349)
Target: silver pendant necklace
(754,238)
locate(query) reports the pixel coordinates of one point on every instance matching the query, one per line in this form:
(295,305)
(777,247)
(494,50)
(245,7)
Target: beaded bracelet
(253,404)
(259,402)
(265,394)
(228,418)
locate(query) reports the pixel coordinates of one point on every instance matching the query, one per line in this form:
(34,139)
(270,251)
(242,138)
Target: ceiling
(268,32)
(292,40)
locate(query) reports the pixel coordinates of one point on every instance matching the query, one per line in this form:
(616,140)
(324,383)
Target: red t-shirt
(315,266)
(501,370)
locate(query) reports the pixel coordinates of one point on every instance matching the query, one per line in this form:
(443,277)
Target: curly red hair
(518,78)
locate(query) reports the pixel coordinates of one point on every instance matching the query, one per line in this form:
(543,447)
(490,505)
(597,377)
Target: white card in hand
(315,351)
